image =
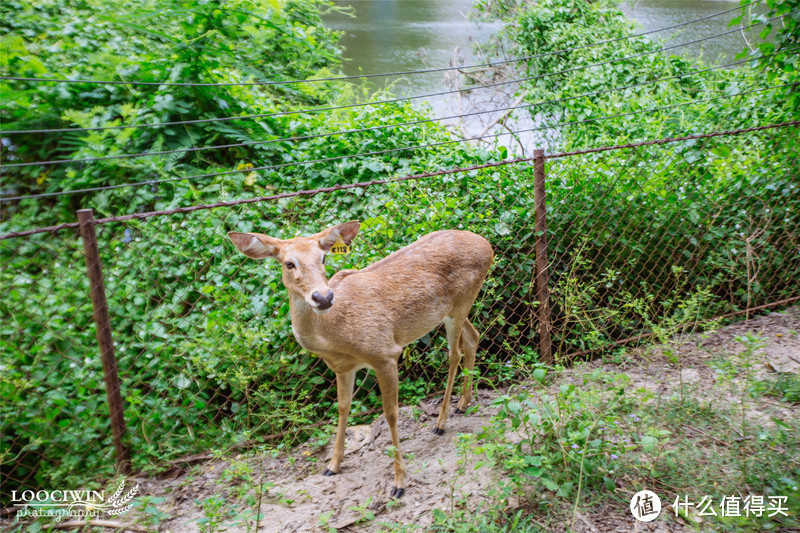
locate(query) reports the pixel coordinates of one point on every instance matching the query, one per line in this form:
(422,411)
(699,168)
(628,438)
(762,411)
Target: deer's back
(416,287)
(440,251)
(449,255)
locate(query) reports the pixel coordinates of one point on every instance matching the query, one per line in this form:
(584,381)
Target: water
(403,35)
(655,14)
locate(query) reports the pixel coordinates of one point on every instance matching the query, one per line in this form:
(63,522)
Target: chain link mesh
(647,240)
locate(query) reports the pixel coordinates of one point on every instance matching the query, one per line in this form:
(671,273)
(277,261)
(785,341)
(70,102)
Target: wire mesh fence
(651,240)
(54,416)
(641,240)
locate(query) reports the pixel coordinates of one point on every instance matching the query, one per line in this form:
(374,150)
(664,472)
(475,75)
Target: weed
(565,442)
(324,522)
(464,442)
(363,511)
(148,511)
(785,387)
(213,514)
(239,479)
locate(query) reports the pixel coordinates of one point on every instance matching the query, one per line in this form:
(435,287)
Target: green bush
(202,335)
(202,361)
(571,26)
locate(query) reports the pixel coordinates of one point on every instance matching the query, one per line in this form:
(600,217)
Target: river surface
(654,14)
(403,35)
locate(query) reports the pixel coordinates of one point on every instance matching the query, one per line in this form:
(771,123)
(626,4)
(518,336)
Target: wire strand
(379,152)
(376,75)
(312,192)
(282,139)
(382,102)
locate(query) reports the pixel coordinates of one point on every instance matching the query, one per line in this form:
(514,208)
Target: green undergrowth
(647,240)
(584,441)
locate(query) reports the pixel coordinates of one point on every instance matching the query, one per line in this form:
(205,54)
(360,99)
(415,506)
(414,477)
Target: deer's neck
(305,323)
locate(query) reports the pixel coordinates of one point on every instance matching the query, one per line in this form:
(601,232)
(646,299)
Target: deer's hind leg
(453,326)
(469,343)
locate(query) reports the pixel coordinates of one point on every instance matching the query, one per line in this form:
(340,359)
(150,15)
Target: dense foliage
(173,278)
(204,344)
(777,57)
(601,80)
(636,233)
(177,42)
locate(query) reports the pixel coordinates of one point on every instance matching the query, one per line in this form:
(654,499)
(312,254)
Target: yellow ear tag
(339,247)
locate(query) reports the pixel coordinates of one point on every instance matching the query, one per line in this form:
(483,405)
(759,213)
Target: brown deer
(364,318)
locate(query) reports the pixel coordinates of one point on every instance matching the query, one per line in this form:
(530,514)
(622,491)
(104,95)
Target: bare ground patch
(299,498)
(294,496)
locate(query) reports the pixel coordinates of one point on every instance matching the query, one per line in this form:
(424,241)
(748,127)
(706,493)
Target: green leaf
(722,150)
(439,516)
(649,443)
(181,381)
(549,484)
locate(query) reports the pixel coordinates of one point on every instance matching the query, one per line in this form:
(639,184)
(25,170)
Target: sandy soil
(299,498)
(438,474)
(362,486)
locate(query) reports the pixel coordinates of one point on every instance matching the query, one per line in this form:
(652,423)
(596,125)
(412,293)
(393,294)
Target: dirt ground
(361,487)
(301,499)
(357,499)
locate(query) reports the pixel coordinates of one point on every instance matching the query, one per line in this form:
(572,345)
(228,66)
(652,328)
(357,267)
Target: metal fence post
(542,276)
(110,373)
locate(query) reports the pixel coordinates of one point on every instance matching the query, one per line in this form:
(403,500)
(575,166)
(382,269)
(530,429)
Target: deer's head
(301,259)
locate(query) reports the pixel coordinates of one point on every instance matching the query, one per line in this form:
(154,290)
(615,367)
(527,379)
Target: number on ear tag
(339,247)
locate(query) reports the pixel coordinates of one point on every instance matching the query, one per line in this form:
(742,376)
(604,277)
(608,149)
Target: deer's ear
(255,245)
(347,232)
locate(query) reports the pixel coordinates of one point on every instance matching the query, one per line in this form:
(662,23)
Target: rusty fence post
(542,276)
(101,320)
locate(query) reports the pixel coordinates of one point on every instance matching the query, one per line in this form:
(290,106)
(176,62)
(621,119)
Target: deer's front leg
(344,394)
(387,381)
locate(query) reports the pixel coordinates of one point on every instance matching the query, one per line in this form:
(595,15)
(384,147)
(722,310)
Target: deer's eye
(289,265)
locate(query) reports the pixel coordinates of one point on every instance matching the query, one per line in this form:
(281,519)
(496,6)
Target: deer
(364,318)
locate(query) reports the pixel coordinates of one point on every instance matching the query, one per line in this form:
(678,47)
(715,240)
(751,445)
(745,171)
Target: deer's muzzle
(323,302)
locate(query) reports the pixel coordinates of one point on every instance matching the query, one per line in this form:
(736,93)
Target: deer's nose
(323,302)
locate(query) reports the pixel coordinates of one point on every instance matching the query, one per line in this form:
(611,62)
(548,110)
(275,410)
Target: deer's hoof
(459,411)
(437,431)
(328,472)
(397,493)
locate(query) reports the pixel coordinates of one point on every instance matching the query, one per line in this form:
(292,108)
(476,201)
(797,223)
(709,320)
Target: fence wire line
(673,139)
(377,75)
(362,154)
(312,192)
(629,340)
(373,128)
(393,100)
(169,409)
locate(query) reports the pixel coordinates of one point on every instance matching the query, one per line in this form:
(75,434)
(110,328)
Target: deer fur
(364,318)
